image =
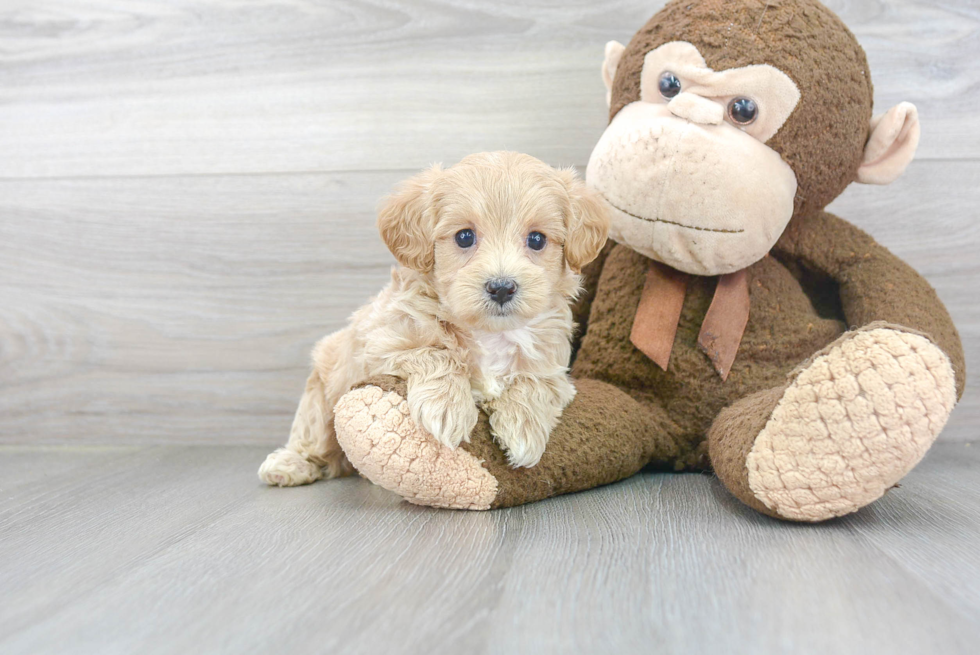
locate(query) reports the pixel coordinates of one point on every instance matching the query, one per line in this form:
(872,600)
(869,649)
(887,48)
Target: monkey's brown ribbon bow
(655,324)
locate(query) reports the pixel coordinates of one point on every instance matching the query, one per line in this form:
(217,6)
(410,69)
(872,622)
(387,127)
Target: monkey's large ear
(407,220)
(891,147)
(614,52)
(588,222)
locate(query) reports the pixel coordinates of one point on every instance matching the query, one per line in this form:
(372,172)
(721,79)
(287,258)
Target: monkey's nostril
(501,290)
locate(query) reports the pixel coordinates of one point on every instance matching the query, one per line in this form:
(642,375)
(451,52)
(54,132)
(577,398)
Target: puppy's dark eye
(670,86)
(743,111)
(536,240)
(465,238)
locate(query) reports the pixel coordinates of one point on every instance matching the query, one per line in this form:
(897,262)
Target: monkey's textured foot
(385,445)
(849,426)
(287,468)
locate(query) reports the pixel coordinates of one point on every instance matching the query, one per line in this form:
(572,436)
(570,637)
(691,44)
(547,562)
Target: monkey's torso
(786,325)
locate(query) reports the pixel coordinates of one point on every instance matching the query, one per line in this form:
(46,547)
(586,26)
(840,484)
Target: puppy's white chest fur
(495,358)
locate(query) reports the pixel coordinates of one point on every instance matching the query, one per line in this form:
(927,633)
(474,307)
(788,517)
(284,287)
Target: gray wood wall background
(187,189)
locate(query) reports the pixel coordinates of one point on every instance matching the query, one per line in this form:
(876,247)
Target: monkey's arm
(583,304)
(875,285)
(604,435)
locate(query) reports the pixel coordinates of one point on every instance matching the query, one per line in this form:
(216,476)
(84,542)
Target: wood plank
(19,464)
(929,524)
(670,560)
(702,573)
(167,87)
(62,538)
(182,309)
(176,308)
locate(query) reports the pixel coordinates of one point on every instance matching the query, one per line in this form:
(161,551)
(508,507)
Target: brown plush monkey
(731,324)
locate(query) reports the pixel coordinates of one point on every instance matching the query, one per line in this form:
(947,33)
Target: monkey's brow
(662,220)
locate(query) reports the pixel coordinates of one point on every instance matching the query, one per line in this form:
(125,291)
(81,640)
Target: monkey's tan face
(685,169)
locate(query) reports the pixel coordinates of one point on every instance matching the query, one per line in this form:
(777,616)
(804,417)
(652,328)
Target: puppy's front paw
(521,435)
(444,409)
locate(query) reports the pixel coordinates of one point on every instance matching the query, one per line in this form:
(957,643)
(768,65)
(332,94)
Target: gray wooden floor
(178,549)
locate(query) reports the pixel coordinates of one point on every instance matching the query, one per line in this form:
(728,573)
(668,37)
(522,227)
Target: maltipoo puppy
(476,316)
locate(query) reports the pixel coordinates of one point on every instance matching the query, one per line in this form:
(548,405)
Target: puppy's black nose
(501,290)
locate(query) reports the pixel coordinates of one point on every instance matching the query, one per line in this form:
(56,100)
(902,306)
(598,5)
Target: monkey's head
(727,119)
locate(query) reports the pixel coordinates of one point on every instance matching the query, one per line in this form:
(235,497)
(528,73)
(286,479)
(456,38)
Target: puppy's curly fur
(437,325)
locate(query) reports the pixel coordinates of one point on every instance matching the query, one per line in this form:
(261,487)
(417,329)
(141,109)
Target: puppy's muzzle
(501,290)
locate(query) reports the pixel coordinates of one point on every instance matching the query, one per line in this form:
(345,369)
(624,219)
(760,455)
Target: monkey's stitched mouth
(662,220)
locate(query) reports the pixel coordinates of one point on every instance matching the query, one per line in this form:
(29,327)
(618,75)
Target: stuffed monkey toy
(731,324)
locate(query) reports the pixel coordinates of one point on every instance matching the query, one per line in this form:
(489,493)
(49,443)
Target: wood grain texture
(162,309)
(179,87)
(180,549)
(187,190)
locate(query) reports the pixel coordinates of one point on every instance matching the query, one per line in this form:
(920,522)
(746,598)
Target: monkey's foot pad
(852,424)
(388,448)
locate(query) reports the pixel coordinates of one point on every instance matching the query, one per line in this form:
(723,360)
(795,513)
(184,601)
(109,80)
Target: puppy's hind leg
(312,451)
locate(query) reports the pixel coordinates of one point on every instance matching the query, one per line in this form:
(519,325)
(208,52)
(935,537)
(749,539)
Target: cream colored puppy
(477,315)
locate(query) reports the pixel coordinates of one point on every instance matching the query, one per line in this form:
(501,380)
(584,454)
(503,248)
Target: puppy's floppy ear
(586,224)
(407,219)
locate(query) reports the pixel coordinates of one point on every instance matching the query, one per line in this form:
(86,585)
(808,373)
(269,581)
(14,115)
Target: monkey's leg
(603,436)
(849,425)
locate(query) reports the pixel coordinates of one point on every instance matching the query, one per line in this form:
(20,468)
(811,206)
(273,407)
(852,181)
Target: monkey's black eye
(670,86)
(465,238)
(536,240)
(743,111)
